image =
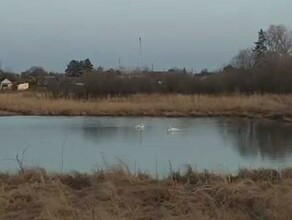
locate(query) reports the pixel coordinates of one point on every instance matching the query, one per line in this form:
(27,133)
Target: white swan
(139,127)
(170,129)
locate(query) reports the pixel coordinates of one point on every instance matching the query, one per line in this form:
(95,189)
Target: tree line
(266,67)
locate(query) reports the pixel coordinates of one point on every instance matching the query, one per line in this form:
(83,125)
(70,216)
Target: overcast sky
(183,33)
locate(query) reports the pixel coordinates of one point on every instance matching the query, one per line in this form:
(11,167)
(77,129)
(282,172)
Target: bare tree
(245,59)
(19,160)
(279,39)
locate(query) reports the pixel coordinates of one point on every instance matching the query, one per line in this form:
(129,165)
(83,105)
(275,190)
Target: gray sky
(183,33)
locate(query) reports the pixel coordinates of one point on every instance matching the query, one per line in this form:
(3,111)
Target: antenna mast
(140,50)
(119,63)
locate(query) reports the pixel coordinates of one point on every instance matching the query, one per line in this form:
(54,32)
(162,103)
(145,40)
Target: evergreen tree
(77,68)
(260,49)
(74,68)
(87,65)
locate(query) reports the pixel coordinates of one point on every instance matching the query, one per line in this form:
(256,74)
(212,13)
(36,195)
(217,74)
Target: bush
(273,77)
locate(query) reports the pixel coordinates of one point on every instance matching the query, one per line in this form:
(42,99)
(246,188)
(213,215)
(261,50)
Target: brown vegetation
(269,106)
(118,194)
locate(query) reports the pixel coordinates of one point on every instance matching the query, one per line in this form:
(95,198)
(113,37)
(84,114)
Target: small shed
(5,84)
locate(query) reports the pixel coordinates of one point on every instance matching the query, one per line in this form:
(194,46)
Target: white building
(5,84)
(22,86)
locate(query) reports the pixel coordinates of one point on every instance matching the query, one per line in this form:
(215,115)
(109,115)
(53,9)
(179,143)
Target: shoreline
(274,107)
(275,117)
(6,113)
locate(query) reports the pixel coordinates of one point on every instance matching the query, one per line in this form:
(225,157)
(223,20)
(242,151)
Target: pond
(87,143)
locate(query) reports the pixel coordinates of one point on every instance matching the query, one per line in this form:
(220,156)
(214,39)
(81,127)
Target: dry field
(118,195)
(268,106)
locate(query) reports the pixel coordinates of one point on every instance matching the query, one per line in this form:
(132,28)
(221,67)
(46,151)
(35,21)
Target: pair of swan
(140,127)
(171,129)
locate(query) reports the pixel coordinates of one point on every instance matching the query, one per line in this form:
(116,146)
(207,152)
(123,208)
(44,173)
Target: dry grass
(117,194)
(270,106)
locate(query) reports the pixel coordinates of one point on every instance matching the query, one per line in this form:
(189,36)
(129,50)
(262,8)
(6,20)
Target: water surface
(86,143)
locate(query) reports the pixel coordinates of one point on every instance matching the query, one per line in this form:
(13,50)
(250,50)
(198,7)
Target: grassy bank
(270,106)
(118,194)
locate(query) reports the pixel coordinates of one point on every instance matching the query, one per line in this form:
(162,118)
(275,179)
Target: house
(5,84)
